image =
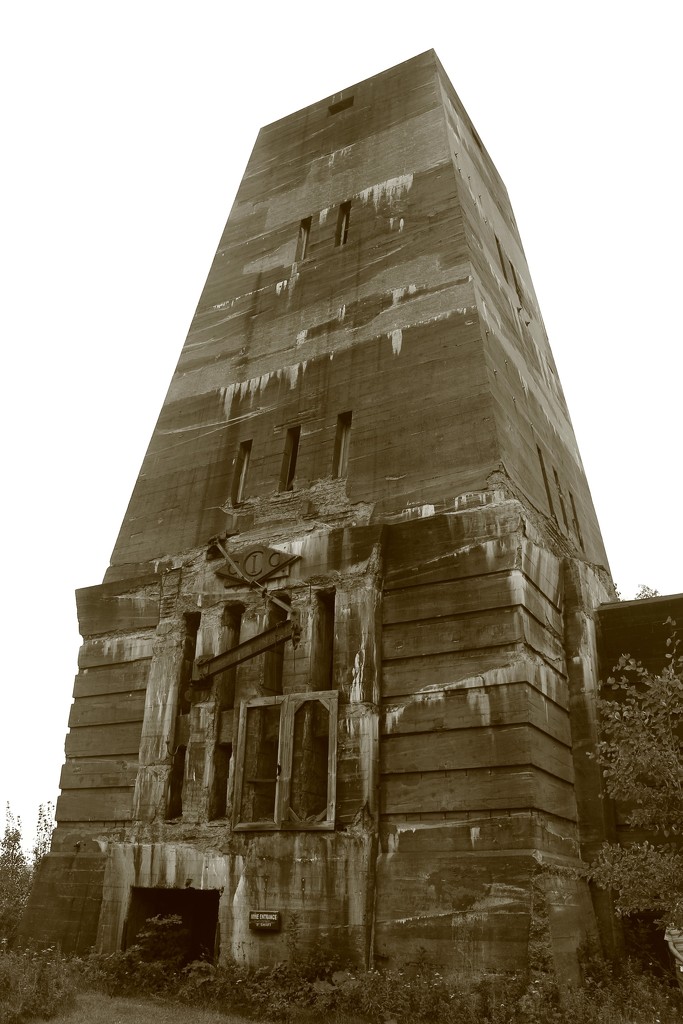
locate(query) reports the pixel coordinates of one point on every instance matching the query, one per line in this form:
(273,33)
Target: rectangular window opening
(501,257)
(260,763)
(239,480)
(322,653)
(221,769)
(563,510)
(518,287)
(343,218)
(273,660)
(288,471)
(576,521)
(191,621)
(546,483)
(175,786)
(224,682)
(336,108)
(308,775)
(302,240)
(341,445)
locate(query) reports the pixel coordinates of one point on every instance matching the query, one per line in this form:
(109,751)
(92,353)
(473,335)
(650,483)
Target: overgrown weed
(318,989)
(35,984)
(311,987)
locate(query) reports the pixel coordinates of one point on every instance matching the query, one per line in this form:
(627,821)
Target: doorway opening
(196,937)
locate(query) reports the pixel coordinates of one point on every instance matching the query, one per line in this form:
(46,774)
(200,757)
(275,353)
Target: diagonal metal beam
(209,666)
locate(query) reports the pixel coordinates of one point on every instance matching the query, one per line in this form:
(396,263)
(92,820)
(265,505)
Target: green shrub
(15,877)
(309,988)
(34,985)
(151,965)
(279,991)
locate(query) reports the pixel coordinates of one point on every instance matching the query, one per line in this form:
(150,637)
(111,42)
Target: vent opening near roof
(336,108)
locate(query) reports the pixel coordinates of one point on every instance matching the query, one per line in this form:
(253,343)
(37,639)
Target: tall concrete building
(342,662)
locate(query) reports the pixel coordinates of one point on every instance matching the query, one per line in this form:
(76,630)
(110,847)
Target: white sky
(126,130)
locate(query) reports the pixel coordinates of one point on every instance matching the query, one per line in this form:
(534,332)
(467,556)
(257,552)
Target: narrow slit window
(221,771)
(561,497)
(174,805)
(336,108)
(175,788)
(501,257)
(289,458)
(518,287)
(322,654)
(576,520)
(239,481)
(302,241)
(224,682)
(546,483)
(273,660)
(343,218)
(342,441)
(192,621)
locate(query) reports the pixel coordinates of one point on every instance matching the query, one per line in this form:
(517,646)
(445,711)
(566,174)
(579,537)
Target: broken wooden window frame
(284,818)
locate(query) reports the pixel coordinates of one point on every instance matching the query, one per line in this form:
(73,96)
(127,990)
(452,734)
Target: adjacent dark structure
(343,660)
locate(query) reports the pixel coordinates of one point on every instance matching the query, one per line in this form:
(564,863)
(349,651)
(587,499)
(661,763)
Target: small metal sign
(265,920)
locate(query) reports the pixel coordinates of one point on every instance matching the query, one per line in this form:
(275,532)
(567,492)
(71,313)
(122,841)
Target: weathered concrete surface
(477,784)
(368,393)
(65,902)
(432,275)
(323,880)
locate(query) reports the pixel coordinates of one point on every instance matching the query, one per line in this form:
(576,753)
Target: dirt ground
(96,1008)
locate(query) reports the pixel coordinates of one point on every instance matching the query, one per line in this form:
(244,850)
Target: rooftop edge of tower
(366,86)
(424,58)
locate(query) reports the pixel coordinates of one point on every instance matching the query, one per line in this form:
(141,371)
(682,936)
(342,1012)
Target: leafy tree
(17,870)
(15,876)
(640,751)
(44,827)
(643,592)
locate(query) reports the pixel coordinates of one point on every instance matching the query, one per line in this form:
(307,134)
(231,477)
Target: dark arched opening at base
(197,909)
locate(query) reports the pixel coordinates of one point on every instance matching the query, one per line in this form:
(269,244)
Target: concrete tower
(341,663)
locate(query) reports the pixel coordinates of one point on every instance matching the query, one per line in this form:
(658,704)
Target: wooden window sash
(283,819)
